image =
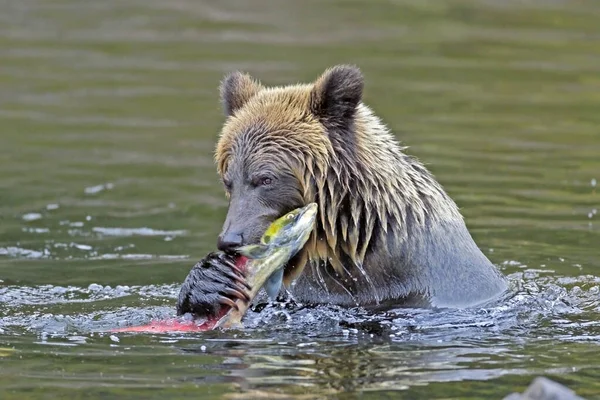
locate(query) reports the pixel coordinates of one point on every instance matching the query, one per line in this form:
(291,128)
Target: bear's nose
(229,241)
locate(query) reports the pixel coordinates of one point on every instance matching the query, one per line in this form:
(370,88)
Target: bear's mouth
(241,262)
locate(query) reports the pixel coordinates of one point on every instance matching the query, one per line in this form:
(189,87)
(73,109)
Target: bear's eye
(227,183)
(262,180)
(266,181)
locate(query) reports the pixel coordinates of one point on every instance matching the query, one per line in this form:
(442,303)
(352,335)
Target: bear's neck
(374,190)
(392,172)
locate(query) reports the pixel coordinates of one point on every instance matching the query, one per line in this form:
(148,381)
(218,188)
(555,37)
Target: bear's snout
(229,241)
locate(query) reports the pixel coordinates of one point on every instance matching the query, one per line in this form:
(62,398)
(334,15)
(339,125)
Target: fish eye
(290,217)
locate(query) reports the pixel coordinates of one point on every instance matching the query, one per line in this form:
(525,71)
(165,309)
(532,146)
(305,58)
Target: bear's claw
(242,295)
(228,302)
(213,282)
(238,276)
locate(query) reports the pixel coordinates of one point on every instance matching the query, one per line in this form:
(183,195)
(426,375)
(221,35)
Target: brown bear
(387,233)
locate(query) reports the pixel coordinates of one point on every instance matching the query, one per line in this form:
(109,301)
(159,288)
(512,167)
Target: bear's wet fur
(387,233)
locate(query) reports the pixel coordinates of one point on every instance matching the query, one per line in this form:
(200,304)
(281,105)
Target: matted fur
(357,205)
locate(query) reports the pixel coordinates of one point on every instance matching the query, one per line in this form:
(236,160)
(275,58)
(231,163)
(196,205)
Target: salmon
(262,264)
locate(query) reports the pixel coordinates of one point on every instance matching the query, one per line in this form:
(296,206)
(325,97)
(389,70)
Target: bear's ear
(337,93)
(236,89)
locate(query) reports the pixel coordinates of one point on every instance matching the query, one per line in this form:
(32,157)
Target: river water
(109,115)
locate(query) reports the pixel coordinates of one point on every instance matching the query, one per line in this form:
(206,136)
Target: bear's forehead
(275,108)
(275,114)
(261,143)
(272,125)
(249,164)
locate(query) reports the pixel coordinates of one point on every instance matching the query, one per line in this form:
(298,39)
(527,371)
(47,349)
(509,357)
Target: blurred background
(109,114)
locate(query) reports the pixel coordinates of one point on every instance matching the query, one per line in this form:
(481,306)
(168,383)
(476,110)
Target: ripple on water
(13,251)
(32,216)
(16,296)
(137,231)
(98,188)
(57,250)
(52,251)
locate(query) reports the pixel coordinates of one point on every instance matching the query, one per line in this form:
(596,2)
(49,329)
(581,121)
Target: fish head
(282,240)
(289,232)
(292,229)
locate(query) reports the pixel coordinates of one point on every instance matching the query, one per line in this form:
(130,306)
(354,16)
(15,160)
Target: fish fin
(273,284)
(253,251)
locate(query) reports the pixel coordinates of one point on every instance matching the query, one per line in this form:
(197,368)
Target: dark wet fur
(450,269)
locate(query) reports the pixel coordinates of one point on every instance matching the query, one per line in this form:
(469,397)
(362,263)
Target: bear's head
(283,147)
(380,210)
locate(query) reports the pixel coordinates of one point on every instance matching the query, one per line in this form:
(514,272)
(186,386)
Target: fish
(263,265)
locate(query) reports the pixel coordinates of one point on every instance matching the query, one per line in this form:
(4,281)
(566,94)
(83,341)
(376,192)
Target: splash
(564,308)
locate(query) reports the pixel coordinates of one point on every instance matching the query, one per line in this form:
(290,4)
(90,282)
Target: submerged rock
(545,389)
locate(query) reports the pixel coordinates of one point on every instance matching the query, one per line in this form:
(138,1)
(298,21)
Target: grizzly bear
(387,234)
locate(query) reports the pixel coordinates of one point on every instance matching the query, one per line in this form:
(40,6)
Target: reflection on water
(108,194)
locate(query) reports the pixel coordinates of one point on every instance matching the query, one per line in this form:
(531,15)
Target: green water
(109,115)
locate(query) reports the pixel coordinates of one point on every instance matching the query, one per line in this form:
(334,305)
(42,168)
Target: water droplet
(52,206)
(114,338)
(593,182)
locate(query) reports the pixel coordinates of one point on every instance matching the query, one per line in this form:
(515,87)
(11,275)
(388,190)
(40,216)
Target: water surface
(109,115)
